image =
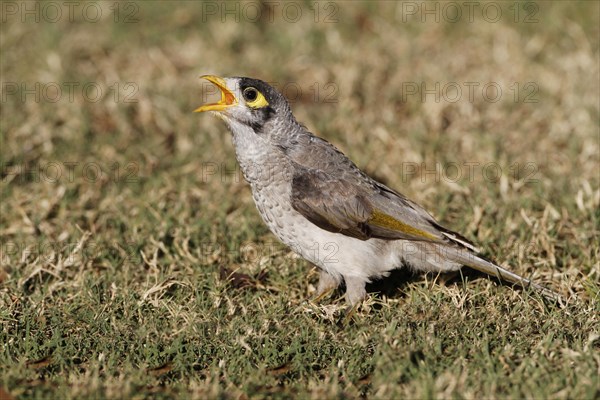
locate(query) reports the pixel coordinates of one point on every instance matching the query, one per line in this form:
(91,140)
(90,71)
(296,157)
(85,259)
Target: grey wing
(331,204)
(329,173)
(339,205)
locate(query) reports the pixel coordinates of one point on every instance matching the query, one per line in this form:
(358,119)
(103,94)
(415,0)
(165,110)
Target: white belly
(335,253)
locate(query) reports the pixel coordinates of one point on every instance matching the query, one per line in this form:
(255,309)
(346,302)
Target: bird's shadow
(392,286)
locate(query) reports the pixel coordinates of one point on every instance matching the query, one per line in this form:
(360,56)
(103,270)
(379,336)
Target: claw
(318,296)
(327,284)
(347,315)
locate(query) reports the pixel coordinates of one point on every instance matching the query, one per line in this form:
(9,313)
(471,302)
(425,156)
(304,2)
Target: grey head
(253,103)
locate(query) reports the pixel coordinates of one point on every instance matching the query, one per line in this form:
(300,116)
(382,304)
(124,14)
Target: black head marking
(275,99)
(277,103)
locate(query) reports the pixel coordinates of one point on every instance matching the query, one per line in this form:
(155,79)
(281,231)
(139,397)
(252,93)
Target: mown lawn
(133,263)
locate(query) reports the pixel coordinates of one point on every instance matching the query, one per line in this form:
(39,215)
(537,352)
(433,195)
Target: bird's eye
(250,94)
(254,98)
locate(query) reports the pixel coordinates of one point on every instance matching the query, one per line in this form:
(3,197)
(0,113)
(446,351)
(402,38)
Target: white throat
(252,150)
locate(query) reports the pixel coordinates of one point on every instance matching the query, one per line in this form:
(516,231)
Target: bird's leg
(355,293)
(327,283)
(355,290)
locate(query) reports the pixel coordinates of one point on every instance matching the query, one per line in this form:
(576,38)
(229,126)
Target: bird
(316,201)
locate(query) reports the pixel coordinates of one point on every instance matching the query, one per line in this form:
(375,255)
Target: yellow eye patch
(254,98)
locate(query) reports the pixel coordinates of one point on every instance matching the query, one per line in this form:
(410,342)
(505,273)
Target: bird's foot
(318,296)
(355,294)
(327,284)
(346,317)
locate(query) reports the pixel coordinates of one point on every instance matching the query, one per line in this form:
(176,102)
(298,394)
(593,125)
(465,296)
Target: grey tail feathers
(482,265)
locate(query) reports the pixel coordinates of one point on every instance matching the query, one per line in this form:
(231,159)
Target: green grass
(160,280)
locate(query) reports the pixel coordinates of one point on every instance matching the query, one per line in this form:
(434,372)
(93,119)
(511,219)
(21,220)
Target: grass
(156,278)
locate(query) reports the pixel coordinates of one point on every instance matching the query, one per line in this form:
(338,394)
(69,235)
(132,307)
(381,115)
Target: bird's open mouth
(227,98)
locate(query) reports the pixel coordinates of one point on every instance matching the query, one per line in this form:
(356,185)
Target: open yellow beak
(227,98)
